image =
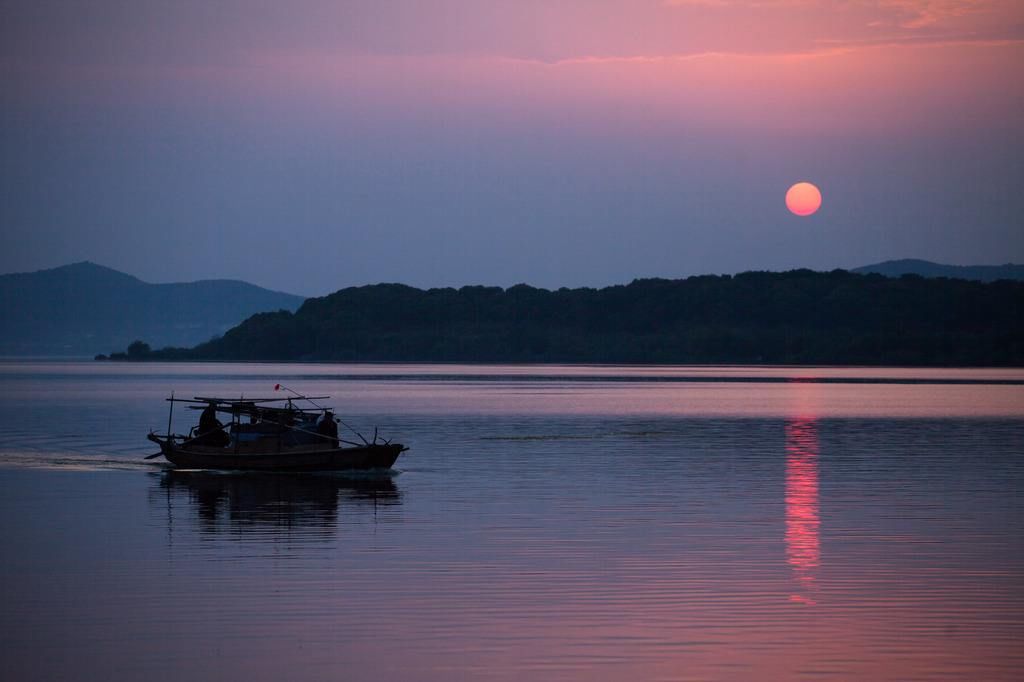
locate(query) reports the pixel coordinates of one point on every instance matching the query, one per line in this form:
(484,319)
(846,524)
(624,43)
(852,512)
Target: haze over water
(549,523)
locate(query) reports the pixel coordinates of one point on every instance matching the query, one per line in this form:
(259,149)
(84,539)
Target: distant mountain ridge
(85,309)
(913,266)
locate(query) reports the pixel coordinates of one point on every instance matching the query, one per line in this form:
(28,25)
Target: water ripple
(580,530)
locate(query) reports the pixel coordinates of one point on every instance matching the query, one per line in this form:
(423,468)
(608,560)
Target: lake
(548,523)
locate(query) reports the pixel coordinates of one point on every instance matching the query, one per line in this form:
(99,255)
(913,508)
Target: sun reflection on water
(803,544)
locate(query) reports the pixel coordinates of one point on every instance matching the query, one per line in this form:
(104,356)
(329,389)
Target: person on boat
(286,418)
(327,427)
(211,431)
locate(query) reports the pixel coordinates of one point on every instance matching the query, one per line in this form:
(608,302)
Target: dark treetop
(756,317)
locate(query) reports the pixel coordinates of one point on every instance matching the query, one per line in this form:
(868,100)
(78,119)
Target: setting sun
(803,199)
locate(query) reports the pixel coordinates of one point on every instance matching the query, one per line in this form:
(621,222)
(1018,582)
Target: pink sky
(448,126)
(829,64)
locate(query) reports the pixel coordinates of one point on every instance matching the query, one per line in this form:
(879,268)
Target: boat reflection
(239,499)
(803,545)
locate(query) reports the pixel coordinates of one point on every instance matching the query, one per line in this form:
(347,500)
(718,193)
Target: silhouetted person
(211,431)
(326,426)
(286,418)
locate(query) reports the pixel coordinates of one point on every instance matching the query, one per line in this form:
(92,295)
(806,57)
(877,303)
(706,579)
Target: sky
(312,145)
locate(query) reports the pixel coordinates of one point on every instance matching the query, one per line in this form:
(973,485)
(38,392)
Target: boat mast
(169,415)
(236,423)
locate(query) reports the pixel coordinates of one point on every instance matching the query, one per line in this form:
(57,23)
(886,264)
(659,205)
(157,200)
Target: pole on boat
(236,418)
(278,387)
(169,415)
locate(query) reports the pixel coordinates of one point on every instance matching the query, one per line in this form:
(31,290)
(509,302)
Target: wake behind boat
(269,434)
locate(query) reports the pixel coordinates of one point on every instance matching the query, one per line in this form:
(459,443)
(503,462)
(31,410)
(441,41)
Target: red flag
(277,387)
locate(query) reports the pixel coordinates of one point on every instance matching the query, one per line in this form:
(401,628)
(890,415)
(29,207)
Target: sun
(803,199)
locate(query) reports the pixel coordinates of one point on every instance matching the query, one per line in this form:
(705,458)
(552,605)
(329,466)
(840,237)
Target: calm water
(549,523)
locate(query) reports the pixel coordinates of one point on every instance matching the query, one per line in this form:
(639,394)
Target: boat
(270,434)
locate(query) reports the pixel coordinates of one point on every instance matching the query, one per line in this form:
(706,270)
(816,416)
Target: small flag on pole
(277,387)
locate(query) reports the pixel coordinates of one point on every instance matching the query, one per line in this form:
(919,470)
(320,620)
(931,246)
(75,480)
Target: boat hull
(375,456)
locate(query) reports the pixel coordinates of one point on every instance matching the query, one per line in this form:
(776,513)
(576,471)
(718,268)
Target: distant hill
(85,309)
(800,317)
(912,266)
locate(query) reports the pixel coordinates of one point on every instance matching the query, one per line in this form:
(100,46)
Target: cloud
(966,20)
(921,13)
(743,3)
(193,36)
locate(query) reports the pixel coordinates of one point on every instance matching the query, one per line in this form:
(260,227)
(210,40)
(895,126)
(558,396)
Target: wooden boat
(270,434)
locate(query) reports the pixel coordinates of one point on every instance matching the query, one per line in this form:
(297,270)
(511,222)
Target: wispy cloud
(822,49)
(810,24)
(921,13)
(909,14)
(111,35)
(743,3)
(926,11)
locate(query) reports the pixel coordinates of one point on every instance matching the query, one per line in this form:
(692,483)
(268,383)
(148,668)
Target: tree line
(796,317)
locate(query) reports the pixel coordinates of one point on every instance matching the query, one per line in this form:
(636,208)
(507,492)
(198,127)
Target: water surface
(549,523)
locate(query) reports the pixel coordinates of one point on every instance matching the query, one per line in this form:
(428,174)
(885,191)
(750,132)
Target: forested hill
(756,317)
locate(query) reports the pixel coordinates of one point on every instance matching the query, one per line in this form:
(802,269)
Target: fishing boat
(270,434)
